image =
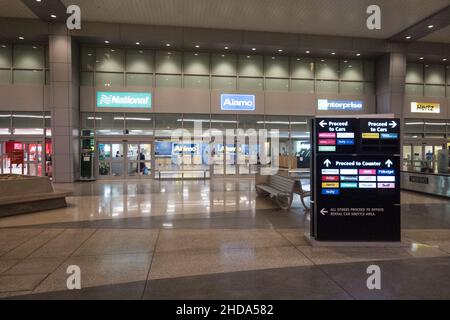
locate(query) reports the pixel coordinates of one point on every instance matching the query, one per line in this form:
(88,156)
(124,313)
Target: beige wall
(24,97)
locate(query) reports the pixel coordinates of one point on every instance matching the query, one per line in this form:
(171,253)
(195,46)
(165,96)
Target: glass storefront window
(28,76)
(109,60)
(223,64)
(189,121)
(323,86)
(166,123)
(139,123)
(306,86)
(302,68)
(223,83)
(196,63)
(28,123)
(5,76)
(5,123)
(168,62)
(352,87)
(251,66)
(250,122)
(139,80)
(109,123)
(414,125)
(277,85)
(352,70)
(139,61)
(108,79)
(87,59)
(88,120)
(251,84)
(5,57)
(29,57)
(276,67)
(199,82)
(327,69)
(168,81)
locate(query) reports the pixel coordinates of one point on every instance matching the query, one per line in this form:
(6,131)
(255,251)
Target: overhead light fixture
(226,48)
(248,57)
(34,47)
(421,58)
(106,41)
(408,37)
(90,54)
(53,16)
(430,26)
(138,43)
(253,49)
(195,54)
(298,59)
(280,50)
(322,60)
(445,59)
(273,58)
(38,0)
(333,53)
(3,45)
(197,46)
(167,44)
(223,56)
(21,38)
(345,61)
(358,54)
(307,51)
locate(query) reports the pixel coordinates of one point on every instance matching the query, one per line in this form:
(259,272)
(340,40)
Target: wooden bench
(279,188)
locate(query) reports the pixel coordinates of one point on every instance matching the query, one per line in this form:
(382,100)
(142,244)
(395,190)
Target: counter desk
(437,184)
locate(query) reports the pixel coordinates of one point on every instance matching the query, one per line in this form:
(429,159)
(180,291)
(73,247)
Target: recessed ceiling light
(223,56)
(3,45)
(408,37)
(358,54)
(421,58)
(445,59)
(430,26)
(307,51)
(138,43)
(140,51)
(248,57)
(345,61)
(90,54)
(112,50)
(298,59)
(197,46)
(167,44)
(253,49)
(333,53)
(226,48)
(21,38)
(53,16)
(106,41)
(322,60)
(280,50)
(38,0)
(273,58)
(34,47)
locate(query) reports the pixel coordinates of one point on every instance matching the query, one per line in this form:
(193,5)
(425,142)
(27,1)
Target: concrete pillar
(64,88)
(390,83)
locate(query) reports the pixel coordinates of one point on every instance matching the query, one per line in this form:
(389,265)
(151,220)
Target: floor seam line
(63,260)
(150,266)
(26,240)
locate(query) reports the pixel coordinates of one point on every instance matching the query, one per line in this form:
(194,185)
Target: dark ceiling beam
(44,9)
(419,30)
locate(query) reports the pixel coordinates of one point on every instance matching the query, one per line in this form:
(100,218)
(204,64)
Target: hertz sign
(425,107)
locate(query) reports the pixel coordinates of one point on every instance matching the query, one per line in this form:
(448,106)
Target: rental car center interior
(89,116)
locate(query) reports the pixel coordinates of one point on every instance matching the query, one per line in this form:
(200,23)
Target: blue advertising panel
(238,102)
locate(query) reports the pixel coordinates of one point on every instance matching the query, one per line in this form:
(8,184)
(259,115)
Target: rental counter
(437,184)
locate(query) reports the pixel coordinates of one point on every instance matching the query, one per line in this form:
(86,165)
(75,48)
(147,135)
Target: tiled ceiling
(442,36)
(331,17)
(15,9)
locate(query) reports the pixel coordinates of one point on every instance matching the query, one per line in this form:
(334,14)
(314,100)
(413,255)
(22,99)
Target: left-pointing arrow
(323,211)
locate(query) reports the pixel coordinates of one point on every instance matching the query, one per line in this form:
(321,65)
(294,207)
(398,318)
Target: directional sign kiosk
(356,185)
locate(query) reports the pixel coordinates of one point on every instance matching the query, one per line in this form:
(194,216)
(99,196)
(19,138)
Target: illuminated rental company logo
(425,107)
(237,102)
(124,100)
(339,105)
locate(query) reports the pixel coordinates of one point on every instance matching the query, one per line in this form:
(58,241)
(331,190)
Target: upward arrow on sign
(389,163)
(327,163)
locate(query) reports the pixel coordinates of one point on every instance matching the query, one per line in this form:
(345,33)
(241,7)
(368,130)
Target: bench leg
(302,199)
(260,193)
(284,202)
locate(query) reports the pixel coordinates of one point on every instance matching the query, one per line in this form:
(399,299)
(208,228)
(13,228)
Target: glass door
(139,160)
(111,162)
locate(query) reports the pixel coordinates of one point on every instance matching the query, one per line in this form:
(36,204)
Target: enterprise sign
(339,105)
(237,102)
(425,107)
(139,100)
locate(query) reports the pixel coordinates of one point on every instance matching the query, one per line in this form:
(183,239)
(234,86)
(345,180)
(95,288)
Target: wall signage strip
(237,102)
(425,107)
(131,100)
(356,185)
(339,105)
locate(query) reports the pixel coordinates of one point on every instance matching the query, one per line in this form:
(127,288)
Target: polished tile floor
(210,240)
